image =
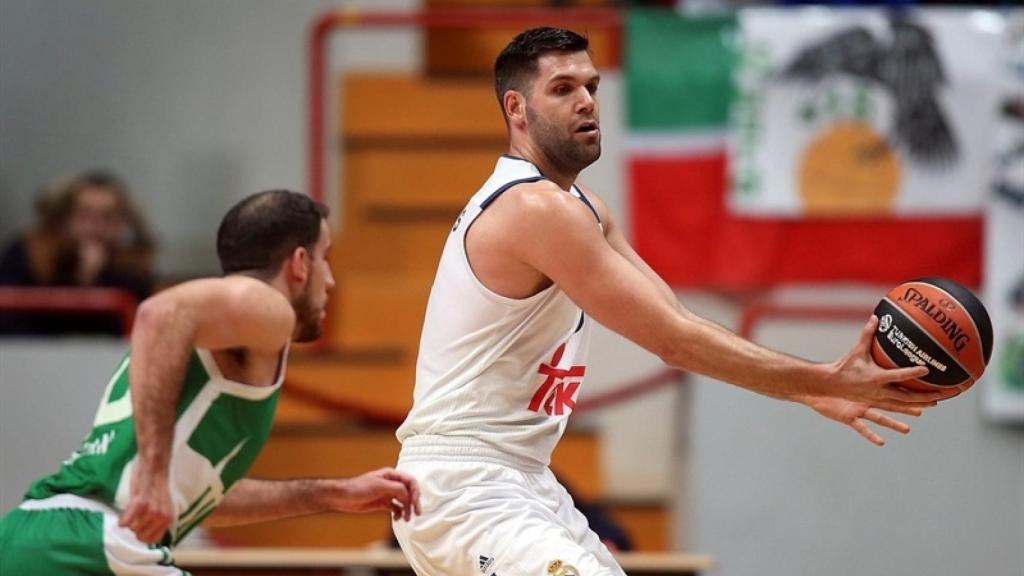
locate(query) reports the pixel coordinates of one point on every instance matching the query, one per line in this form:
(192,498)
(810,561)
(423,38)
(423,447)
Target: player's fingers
(883,420)
(143,531)
(893,392)
(867,433)
(866,334)
(153,525)
(903,374)
(397,491)
(905,408)
(415,497)
(151,529)
(128,517)
(411,485)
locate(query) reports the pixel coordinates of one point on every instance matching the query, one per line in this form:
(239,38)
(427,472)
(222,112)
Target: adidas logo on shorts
(485,564)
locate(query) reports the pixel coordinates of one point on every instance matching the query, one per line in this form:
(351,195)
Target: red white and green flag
(754,160)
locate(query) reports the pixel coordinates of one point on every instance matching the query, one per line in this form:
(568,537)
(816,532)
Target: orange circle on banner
(850,169)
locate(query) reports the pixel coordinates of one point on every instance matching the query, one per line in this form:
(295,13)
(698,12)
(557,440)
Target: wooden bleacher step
(380,388)
(380,310)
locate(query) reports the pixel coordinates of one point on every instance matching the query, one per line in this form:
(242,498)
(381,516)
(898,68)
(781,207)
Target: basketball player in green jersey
(190,407)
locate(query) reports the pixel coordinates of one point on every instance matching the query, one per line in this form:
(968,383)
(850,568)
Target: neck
(533,154)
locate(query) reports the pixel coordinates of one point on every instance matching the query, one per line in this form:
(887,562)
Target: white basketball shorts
(489,519)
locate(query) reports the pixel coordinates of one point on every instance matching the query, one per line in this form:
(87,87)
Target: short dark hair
(517,63)
(259,233)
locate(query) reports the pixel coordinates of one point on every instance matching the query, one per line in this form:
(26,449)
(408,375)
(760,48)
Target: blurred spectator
(87,234)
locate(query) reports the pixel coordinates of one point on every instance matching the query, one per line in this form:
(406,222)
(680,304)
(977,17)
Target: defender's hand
(384,489)
(149,513)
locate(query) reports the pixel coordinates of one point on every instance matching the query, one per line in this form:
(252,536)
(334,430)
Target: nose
(329,279)
(587,103)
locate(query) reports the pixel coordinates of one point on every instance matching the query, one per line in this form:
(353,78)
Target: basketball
(936,323)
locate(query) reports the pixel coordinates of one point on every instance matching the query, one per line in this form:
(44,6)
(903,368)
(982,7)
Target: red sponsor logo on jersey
(557,395)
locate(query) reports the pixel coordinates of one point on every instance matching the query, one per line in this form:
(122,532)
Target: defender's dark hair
(259,233)
(517,63)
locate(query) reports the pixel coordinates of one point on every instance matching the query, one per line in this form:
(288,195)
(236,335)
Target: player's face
(311,303)
(562,111)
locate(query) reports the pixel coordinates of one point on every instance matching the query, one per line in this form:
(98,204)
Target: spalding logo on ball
(936,323)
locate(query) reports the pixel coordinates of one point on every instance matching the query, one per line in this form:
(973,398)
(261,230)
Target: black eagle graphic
(909,68)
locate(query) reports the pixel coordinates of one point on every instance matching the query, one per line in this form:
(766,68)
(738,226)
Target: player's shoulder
(231,293)
(250,286)
(543,201)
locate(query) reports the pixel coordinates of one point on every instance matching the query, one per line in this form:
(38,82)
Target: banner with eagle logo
(863,113)
(810,145)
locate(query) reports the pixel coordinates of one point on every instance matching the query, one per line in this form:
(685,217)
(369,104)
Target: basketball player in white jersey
(190,407)
(532,262)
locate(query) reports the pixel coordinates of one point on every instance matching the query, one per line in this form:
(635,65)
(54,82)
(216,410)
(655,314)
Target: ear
(515,107)
(296,267)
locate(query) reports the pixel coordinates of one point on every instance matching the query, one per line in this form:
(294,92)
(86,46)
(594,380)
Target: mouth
(589,127)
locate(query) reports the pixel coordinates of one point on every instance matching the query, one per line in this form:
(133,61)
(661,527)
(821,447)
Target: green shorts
(68,534)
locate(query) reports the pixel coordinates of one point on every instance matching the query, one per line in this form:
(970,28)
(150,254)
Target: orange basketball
(936,323)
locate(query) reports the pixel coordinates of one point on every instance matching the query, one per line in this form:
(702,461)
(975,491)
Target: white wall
(49,392)
(778,490)
(196,103)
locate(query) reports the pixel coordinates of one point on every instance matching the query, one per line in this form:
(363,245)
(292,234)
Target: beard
(307,317)
(563,152)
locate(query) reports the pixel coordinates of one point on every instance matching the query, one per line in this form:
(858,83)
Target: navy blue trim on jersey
(500,191)
(580,325)
(511,157)
(587,202)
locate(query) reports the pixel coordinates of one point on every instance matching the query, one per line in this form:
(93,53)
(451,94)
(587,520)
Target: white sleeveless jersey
(496,377)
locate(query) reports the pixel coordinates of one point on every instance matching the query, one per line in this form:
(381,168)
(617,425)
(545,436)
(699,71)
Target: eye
(563,89)
(592,88)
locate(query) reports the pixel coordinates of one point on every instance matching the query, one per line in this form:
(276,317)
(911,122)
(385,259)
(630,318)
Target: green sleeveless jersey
(220,427)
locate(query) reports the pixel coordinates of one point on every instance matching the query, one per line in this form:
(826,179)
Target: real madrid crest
(559,568)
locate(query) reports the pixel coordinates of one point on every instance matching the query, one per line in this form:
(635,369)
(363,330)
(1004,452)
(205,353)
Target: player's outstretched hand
(854,415)
(384,489)
(857,378)
(149,512)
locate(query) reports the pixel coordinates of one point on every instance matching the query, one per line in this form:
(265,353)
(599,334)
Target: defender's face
(311,304)
(562,110)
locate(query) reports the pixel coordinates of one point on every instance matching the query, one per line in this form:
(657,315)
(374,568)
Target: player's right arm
(555,234)
(215,313)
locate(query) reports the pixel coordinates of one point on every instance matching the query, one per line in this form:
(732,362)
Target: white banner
(1003,383)
(864,112)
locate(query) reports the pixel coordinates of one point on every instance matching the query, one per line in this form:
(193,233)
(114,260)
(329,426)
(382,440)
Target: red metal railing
(391,418)
(71,301)
(755,312)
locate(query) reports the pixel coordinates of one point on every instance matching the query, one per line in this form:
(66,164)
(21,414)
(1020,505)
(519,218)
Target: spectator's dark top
(16,270)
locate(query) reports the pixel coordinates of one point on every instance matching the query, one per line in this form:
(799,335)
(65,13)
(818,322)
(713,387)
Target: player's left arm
(617,239)
(843,411)
(250,500)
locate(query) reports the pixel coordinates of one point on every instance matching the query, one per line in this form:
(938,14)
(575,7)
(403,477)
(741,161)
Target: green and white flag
(688,124)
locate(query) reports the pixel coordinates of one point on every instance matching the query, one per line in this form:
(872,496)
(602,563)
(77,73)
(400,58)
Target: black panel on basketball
(972,305)
(903,341)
